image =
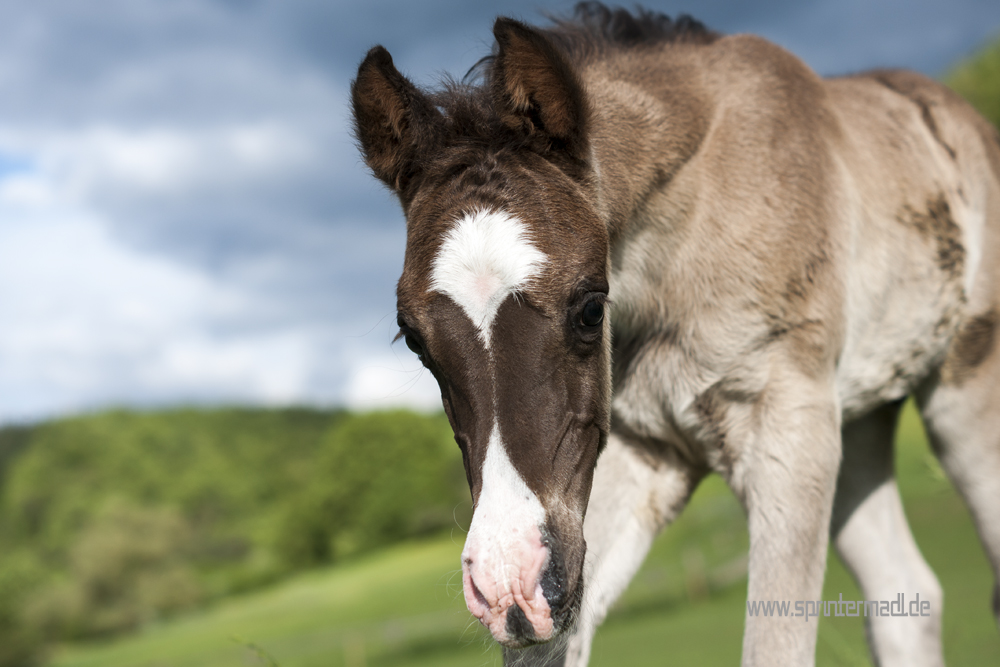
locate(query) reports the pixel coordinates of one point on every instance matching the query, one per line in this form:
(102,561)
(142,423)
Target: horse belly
(904,306)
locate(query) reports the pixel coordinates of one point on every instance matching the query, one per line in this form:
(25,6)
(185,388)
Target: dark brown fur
(973,343)
(937,226)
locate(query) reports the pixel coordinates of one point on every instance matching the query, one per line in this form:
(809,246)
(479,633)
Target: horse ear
(535,89)
(393,120)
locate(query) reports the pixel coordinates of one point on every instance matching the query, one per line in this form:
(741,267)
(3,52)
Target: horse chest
(684,392)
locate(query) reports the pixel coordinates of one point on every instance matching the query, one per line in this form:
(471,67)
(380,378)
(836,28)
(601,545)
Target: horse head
(503,297)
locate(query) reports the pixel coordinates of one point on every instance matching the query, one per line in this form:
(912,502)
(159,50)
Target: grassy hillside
(117,520)
(403,606)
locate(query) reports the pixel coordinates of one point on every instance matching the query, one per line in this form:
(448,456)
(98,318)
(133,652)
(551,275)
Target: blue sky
(183,214)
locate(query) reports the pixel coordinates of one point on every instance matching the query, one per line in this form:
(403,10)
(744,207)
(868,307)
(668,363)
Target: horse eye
(593,314)
(413,344)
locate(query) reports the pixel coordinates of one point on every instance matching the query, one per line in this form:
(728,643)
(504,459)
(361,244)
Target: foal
(640,252)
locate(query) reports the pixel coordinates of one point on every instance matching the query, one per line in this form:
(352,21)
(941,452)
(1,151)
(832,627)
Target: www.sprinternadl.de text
(813,608)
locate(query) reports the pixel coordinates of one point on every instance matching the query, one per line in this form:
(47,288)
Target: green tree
(977,79)
(20,642)
(129,566)
(381,477)
(111,520)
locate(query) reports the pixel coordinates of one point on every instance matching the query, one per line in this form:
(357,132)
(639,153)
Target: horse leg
(960,414)
(786,453)
(874,541)
(635,494)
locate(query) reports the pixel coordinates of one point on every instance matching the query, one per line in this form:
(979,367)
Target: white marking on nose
(504,540)
(485,257)
(505,501)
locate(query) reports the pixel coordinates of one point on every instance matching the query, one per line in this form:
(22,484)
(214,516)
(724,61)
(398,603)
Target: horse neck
(642,131)
(645,136)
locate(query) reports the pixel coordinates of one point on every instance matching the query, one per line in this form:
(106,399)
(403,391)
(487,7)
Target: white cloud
(74,166)
(87,320)
(269,369)
(383,382)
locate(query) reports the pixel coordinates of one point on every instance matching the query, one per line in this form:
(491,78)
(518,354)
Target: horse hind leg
(874,541)
(960,407)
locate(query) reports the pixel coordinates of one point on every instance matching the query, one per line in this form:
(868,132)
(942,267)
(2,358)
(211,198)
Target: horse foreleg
(636,493)
(785,474)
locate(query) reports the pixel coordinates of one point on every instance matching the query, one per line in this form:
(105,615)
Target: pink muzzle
(502,583)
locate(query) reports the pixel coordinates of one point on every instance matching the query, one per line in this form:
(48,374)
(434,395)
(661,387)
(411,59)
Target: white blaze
(484,258)
(505,525)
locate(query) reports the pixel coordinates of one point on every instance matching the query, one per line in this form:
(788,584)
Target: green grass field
(403,606)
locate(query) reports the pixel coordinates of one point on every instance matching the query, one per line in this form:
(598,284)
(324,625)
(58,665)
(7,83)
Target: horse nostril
(480,598)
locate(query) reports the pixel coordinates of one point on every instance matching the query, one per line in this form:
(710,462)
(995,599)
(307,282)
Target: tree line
(113,520)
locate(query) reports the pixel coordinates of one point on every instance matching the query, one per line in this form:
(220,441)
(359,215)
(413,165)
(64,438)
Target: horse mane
(591,31)
(593,24)
(593,28)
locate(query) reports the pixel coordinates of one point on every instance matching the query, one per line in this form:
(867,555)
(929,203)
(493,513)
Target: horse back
(847,225)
